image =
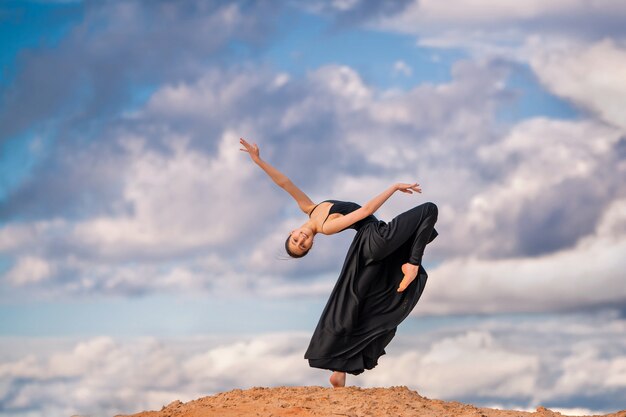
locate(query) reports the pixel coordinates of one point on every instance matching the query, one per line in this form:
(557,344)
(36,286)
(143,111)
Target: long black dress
(364,308)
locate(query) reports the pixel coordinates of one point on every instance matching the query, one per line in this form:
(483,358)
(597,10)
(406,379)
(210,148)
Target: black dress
(364,308)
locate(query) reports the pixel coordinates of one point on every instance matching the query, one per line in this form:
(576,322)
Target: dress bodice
(346,207)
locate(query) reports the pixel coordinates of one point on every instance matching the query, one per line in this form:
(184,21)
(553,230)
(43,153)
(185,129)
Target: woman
(381,280)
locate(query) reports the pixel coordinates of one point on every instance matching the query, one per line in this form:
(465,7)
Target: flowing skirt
(364,308)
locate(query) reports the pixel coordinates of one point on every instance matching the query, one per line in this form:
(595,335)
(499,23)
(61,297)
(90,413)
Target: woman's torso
(332,209)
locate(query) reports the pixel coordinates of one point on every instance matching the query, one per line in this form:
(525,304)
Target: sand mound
(318,401)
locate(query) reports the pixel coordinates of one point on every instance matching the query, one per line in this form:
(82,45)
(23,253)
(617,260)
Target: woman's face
(300,240)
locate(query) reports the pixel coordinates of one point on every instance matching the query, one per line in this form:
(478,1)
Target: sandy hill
(318,401)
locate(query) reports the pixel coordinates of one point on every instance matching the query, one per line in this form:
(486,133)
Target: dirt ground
(319,401)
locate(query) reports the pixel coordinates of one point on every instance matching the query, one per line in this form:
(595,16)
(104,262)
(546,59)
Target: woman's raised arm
(304,202)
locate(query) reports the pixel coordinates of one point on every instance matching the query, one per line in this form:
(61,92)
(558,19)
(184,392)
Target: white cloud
(88,378)
(264,361)
(195,214)
(542,165)
(207,219)
(178,201)
(344,4)
(402,68)
(588,369)
(342,82)
(587,275)
(504,22)
(485,11)
(517,363)
(200,218)
(28,270)
(105,376)
(590,75)
(443,371)
(21,236)
(576,47)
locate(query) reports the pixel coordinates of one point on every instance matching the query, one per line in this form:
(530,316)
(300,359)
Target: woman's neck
(310,224)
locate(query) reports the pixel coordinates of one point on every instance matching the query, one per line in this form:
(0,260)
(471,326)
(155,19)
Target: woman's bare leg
(338,379)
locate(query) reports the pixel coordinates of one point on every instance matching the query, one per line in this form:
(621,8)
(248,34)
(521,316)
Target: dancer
(382,276)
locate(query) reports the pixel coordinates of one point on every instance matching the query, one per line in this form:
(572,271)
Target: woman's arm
(304,202)
(340,223)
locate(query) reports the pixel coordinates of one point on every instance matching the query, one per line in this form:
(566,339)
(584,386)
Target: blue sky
(131,224)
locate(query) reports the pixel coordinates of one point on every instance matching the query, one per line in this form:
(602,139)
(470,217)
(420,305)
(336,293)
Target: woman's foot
(338,379)
(410,272)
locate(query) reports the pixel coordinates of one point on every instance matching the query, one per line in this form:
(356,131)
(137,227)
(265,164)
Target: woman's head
(299,242)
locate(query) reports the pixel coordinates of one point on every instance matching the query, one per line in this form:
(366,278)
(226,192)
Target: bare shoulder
(308,207)
(320,214)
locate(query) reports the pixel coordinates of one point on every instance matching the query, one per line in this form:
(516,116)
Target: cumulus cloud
(106,376)
(585,276)
(531,213)
(29,269)
(115,53)
(533,362)
(519,364)
(179,194)
(483,25)
(184,198)
(163,199)
(540,201)
(576,48)
(402,68)
(353,12)
(555,178)
(590,75)
(437,369)
(179,201)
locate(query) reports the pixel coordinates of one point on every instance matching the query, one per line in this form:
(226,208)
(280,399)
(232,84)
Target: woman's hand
(408,188)
(253,150)
(374,204)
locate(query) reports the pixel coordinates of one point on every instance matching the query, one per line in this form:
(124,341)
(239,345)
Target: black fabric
(345,207)
(364,308)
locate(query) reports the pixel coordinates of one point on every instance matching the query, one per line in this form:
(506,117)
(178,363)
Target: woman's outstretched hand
(253,150)
(408,188)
